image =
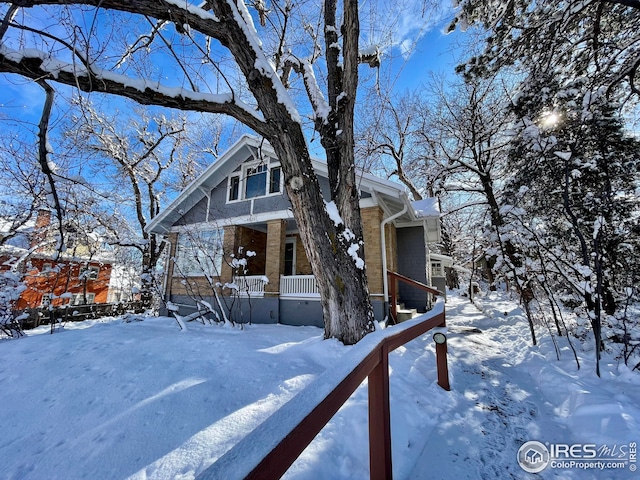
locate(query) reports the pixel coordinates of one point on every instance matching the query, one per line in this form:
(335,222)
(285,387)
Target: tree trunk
(341,277)
(347,311)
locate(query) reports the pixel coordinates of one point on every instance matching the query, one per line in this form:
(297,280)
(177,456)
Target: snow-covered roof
(444,259)
(448,262)
(6,226)
(427,207)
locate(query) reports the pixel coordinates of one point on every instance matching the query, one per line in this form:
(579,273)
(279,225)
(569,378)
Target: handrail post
(443,368)
(393,298)
(441,359)
(380,419)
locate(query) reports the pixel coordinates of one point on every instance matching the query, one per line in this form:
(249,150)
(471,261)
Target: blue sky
(429,51)
(435,52)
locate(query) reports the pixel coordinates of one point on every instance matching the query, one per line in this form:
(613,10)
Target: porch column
(172,238)
(229,248)
(371,221)
(276,231)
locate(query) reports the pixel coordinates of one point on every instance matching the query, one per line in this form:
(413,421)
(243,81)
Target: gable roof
(390,196)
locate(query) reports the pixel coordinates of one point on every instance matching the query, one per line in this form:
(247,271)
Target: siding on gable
(220,209)
(196,214)
(272,203)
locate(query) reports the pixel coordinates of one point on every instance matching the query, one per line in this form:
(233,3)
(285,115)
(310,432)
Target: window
(199,254)
(89,273)
(255,181)
(46,300)
(79,299)
(234,188)
(436,269)
(274,180)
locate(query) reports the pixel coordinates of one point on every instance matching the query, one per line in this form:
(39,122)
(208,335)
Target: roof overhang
(389,195)
(245,147)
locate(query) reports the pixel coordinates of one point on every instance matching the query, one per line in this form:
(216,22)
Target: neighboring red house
(81,277)
(65,281)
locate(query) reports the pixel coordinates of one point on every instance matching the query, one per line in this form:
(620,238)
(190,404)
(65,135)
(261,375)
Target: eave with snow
(233,226)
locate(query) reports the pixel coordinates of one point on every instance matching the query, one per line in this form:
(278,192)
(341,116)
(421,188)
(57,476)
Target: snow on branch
(305,68)
(262,66)
(371,56)
(36,64)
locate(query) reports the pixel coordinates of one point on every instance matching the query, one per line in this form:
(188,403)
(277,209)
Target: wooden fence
(74,313)
(269,450)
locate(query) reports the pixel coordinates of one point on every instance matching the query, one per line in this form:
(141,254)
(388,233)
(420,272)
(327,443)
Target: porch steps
(405,313)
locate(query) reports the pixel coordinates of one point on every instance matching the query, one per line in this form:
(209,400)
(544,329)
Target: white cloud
(400,25)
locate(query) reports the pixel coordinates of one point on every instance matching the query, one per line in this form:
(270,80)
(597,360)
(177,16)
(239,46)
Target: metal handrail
(269,450)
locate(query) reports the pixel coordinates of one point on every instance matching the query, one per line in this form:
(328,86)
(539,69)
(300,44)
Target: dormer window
(234,188)
(253,181)
(256,182)
(274,180)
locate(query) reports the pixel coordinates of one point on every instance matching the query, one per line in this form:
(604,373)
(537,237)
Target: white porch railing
(299,286)
(250,285)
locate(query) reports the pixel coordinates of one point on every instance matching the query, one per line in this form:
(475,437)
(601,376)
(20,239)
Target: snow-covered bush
(10,288)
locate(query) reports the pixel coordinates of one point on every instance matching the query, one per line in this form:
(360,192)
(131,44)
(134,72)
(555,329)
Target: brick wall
(392,247)
(371,219)
(255,241)
(44,276)
(303,266)
(276,234)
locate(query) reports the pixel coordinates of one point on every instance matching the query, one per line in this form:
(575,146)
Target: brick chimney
(40,230)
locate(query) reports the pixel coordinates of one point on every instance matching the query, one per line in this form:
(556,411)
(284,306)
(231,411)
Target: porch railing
(269,450)
(250,285)
(298,286)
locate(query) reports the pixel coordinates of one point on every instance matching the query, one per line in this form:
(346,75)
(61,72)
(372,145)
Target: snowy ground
(141,400)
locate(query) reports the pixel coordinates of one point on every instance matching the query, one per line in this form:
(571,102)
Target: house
(79,276)
(234,241)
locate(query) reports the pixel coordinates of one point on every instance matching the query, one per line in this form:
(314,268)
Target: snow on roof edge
(427,207)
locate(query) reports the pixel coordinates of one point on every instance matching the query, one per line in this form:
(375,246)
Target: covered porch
(277,275)
(274,261)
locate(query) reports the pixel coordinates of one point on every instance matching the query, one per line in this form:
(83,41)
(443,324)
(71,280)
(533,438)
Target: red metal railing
(269,450)
(393,292)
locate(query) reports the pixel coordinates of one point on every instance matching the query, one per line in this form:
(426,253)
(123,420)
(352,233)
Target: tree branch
(143,92)
(627,3)
(43,156)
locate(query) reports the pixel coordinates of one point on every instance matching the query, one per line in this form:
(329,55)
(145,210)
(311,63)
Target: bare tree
(140,158)
(22,186)
(226,64)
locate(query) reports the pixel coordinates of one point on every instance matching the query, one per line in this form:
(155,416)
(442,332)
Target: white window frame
(188,244)
(95,271)
(437,269)
(76,298)
(46,300)
(242,176)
